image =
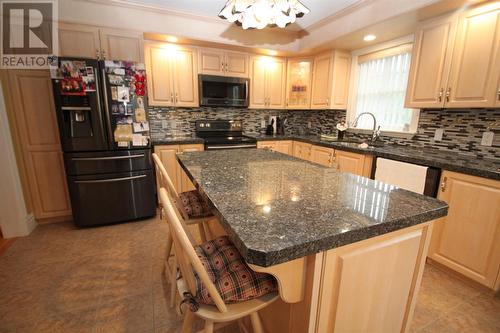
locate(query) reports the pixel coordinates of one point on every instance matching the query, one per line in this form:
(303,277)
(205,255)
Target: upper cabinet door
(211,61)
(186,77)
(122,45)
(474,74)
(159,71)
(258,98)
(299,80)
(77,40)
(236,64)
(340,80)
(431,62)
(321,86)
(275,83)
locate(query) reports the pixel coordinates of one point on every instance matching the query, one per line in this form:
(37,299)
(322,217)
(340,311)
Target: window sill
(405,135)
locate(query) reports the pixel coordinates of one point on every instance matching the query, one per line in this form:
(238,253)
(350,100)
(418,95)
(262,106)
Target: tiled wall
(463,129)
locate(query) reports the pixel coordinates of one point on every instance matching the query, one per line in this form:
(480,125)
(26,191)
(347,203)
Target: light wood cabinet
(78,40)
(167,154)
(454,60)
(302,150)
(330,83)
(299,83)
(85,41)
(371,286)
(119,44)
(467,240)
(267,82)
(186,183)
(36,135)
(357,164)
(172,75)
(222,62)
(285,146)
(322,155)
(474,76)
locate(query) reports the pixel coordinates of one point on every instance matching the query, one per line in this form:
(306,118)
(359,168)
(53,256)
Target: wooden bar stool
(194,210)
(216,281)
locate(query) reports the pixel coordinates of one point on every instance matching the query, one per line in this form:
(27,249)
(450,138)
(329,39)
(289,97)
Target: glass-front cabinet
(298,94)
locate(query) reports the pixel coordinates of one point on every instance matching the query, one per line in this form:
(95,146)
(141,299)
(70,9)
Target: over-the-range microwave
(223,91)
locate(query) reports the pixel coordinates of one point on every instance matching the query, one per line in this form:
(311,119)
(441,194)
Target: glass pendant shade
(258,14)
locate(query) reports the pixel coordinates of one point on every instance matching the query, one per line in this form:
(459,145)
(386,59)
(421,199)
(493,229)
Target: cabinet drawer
(107,162)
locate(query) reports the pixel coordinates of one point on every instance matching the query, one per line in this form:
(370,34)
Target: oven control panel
(219,125)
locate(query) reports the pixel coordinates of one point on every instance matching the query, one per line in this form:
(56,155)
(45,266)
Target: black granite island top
(488,168)
(277,208)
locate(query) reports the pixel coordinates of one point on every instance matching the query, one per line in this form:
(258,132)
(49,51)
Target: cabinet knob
(443,184)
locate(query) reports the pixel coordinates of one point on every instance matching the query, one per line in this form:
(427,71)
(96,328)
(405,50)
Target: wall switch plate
(309,124)
(164,124)
(487,139)
(438,135)
(262,123)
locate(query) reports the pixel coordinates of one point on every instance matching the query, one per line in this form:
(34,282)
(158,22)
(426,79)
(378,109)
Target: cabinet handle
(328,102)
(498,94)
(103,55)
(171,97)
(448,93)
(222,69)
(226,66)
(440,95)
(443,184)
(287,102)
(176,98)
(97,54)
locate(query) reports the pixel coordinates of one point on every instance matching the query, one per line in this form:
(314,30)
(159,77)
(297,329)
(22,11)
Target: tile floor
(109,279)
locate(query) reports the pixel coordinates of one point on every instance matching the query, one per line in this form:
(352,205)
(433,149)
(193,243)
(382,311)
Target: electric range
(223,134)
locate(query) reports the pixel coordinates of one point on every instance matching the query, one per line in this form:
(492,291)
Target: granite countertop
(177,140)
(488,168)
(277,208)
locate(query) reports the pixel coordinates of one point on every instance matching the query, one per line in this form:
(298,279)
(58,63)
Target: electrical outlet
(164,124)
(309,125)
(438,135)
(487,139)
(262,123)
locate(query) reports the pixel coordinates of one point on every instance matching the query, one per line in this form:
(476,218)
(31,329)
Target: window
(381,88)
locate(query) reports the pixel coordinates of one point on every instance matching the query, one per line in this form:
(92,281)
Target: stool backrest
(166,182)
(188,260)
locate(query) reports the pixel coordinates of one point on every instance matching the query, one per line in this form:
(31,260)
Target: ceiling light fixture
(369,38)
(251,14)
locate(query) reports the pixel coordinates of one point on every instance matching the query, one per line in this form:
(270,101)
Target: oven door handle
(231,146)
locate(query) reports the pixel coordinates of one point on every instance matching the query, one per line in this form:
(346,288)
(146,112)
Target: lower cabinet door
(467,240)
(110,198)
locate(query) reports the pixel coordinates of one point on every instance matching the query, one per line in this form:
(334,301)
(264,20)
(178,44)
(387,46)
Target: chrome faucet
(376,131)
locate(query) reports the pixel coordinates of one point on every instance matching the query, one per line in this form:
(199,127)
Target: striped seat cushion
(194,205)
(234,280)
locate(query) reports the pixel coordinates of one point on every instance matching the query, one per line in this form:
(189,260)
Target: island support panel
(368,286)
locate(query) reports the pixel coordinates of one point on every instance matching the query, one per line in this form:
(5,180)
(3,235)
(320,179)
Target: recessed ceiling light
(369,38)
(172,39)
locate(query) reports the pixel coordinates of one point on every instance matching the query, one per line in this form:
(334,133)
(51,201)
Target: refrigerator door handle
(99,110)
(105,158)
(106,109)
(111,180)
(76,108)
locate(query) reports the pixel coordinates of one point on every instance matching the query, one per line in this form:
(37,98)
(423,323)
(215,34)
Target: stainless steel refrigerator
(104,130)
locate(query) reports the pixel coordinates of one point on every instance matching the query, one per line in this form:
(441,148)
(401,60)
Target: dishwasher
(412,177)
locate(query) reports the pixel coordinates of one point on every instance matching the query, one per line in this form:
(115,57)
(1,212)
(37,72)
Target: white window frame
(353,87)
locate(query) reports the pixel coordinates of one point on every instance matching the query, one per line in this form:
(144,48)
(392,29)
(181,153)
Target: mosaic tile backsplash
(463,129)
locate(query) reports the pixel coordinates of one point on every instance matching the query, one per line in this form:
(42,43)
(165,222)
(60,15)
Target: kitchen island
(348,252)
